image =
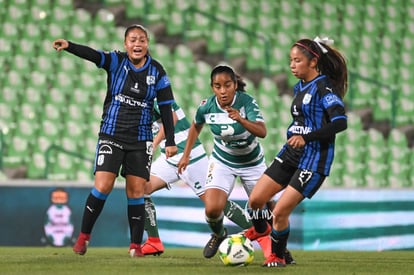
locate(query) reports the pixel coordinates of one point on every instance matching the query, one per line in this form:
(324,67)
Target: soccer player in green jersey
(236,123)
(164,173)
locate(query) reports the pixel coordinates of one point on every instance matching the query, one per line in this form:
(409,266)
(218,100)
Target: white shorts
(194,175)
(223,177)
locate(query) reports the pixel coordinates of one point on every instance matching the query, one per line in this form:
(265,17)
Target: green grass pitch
(183,261)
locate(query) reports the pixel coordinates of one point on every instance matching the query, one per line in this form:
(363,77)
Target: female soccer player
(164,173)
(134,80)
(301,166)
(236,123)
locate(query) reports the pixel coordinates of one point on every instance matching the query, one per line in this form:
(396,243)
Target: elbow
(262,134)
(261,130)
(343,125)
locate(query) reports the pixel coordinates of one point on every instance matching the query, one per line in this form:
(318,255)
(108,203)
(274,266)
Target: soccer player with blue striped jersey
(134,81)
(303,163)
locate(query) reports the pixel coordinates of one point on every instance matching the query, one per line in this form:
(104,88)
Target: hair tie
(325,41)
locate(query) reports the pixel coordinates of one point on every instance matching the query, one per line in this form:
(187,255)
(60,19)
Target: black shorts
(135,159)
(304,181)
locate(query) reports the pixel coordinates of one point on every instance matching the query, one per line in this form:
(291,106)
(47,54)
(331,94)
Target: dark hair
(234,76)
(330,63)
(136,26)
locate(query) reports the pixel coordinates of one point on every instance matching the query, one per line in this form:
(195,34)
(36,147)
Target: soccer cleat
(213,244)
(274,261)
(288,257)
(252,234)
(266,244)
(81,244)
(135,250)
(153,246)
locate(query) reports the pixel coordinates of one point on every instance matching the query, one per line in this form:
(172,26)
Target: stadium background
(50,103)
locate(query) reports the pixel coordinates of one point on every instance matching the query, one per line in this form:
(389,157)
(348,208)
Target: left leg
(135,169)
(136,212)
(281,228)
(303,184)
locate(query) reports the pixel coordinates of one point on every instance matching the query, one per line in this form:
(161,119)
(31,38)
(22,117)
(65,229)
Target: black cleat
(288,257)
(213,244)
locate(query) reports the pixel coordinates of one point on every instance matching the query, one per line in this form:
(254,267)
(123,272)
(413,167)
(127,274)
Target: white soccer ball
(236,250)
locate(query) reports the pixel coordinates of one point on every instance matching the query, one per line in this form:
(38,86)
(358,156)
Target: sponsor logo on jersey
(300,130)
(218,118)
(105,149)
(106,141)
(295,111)
(166,81)
(226,130)
(203,102)
(130,101)
(135,89)
(331,99)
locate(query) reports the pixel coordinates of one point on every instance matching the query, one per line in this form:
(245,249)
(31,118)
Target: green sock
(236,214)
(151,218)
(216,225)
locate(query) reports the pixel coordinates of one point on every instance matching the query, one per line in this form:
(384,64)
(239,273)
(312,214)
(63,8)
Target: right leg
(261,194)
(104,182)
(215,200)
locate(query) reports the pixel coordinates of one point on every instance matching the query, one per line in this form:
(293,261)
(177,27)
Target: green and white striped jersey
(233,144)
(181,130)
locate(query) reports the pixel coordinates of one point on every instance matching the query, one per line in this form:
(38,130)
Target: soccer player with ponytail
(303,163)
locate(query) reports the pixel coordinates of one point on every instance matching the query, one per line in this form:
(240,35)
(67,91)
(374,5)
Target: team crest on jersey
(150,80)
(100,160)
(307,98)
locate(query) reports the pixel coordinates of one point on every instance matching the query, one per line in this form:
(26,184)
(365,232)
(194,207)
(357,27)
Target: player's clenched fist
(60,44)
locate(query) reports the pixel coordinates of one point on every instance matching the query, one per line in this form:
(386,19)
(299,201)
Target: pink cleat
(153,246)
(135,250)
(81,244)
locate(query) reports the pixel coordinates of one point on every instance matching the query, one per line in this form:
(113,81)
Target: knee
(280,217)
(256,202)
(212,211)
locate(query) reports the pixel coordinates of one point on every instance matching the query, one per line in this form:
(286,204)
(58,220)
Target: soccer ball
(236,250)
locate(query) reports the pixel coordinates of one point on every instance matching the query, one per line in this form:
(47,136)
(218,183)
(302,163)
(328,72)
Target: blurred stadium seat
(58,101)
